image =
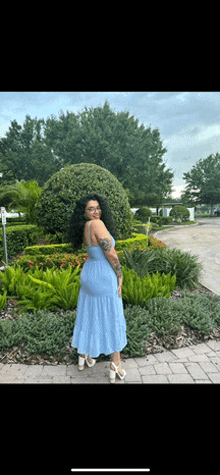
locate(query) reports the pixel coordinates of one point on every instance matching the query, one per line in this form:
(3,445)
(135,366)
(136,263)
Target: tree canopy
(203,181)
(115,141)
(24,154)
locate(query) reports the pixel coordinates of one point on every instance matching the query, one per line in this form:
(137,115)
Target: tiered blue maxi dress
(100,325)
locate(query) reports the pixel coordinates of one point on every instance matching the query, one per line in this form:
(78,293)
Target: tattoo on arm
(105,244)
(117,267)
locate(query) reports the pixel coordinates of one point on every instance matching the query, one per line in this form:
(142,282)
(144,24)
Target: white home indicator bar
(134,470)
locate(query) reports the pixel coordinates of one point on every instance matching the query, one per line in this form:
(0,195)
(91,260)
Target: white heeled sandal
(81,362)
(112,373)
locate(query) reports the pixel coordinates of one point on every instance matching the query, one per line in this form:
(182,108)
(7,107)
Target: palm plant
(23,197)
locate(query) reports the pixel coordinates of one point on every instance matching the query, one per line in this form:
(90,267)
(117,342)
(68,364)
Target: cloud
(3,129)
(190,144)
(177,110)
(177,190)
(208,132)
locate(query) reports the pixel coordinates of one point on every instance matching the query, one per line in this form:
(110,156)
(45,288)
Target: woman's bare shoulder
(99,226)
(94,222)
(98,223)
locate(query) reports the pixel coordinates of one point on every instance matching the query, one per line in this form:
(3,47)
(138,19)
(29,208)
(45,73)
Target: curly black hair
(78,219)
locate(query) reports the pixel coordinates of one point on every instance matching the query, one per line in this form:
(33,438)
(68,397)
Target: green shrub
(3,299)
(139,261)
(50,289)
(18,237)
(137,240)
(180,213)
(138,328)
(164,315)
(185,266)
(141,228)
(155,219)
(10,278)
(42,332)
(46,333)
(53,255)
(198,311)
(10,334)
(142,214)
(34,299)
(67,248)
(38,290)
(137,290)
(57,200)
(48,249)
(14,222)
(17,221)
(165,220)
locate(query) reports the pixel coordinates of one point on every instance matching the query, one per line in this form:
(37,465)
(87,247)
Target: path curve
(202,240)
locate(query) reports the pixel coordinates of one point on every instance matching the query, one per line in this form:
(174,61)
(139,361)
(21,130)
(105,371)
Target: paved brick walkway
(193,364)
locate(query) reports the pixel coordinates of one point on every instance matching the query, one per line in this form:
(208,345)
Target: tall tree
(24,153)
(203,181)
(114,141)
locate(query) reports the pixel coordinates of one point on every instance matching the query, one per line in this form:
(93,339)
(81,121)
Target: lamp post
(3,213)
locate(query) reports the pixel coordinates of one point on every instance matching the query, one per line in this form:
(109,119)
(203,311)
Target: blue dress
(100,325)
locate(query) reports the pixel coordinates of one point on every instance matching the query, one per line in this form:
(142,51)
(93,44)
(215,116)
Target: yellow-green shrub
(138,290)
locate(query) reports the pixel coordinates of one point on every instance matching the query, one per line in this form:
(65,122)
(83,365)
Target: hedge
(164,220)
(62,255)
(48,249)
(137,239)
(18,237)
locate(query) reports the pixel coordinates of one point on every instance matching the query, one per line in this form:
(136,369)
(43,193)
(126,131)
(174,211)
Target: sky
(188,122)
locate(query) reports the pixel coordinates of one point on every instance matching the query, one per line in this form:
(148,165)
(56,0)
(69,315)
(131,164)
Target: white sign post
(3,213)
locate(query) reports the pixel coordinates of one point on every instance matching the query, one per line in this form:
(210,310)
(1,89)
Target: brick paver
(180,378)
(196,371)
(178,368)
(198,364)
(162,368)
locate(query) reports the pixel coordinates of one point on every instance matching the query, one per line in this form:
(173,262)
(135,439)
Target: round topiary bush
(180,213)
(142,214)
(59,194)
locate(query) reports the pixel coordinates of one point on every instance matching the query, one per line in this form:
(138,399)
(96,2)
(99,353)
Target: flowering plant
(153,242)
(57,261)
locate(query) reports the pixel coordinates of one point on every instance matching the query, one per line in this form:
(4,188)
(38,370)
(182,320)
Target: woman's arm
(105,242)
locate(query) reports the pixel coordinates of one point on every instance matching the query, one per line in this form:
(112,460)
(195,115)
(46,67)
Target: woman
(100,324)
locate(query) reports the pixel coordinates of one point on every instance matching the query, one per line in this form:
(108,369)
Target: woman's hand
(120,287)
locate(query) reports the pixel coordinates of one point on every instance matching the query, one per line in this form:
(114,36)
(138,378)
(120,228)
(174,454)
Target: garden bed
(155,343)
(153,325)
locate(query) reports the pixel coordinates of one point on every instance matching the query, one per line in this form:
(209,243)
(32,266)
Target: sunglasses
(92,210)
